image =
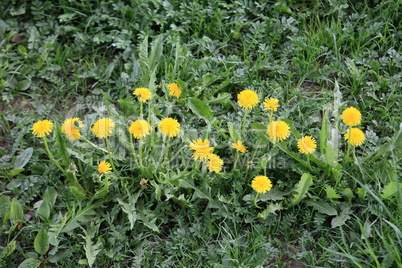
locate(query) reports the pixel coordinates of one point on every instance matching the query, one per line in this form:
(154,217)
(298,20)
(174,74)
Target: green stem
(94,145)
(140,151)
(348,150)
(243,125)
(270,116)
(132,145)
(141,105)
(109,154)
(255,200)
(235,163)
(80,168)
(308,162)
(51,156)
(167,150)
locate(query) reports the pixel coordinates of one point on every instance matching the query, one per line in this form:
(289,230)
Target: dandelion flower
(271,104)
(42,128)
(278,131)
(71,127)
(104,167)
(201,148)
(169,127)
(261,184)
(143,93)
(356,136)
(247,99)
(103,127)
(214,163)
(139,128)
(307,145)
(351,116)
(239,146)
(174,90)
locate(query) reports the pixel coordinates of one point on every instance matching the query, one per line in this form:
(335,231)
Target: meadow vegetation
(150,133)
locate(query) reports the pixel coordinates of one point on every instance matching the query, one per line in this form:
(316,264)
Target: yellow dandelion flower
(174,90)
(103,127)
(42,128)
(261,184)
(104,167)
(247,99)
(169,127)
(239,146)
(351,116)
(214,163)
(201,148)
(71,127)
(356,136)
(278,131)
(139,128)
(143,93)
(271,104)
(307,145)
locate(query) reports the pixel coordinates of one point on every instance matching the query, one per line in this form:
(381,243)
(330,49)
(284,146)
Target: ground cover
(170,199)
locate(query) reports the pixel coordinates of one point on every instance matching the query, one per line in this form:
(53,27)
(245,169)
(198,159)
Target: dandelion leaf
(331,193)
(22,159)
(41,242)
(302,187)
(200,108)
(390,189)
(30,263)
(91,249)
(16,212)
(322,207)
(272,208)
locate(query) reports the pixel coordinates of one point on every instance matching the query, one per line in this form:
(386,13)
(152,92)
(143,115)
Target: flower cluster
(203,151)
(277,131)
(352,117)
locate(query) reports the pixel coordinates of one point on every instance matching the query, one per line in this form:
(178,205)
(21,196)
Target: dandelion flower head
(139,128)
(103,127)
(351,116)
(307,145)
(174,90)
(143,93)
(214,163)
(239,146)
(169,127)
(355,136)
(42,128)
(261,184)
(71,128)
(201,148)
(104,167)
(278,131)
(271,104)
(247,99)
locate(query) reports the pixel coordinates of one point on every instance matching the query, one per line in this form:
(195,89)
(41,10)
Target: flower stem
(109,154)
(141,108)
(235,163)
(140,151)
(270,116)
(348,150)
(132,145)
(308,162)
(94,145)
(52,157)
(166,150)
(243,125)
(255,200)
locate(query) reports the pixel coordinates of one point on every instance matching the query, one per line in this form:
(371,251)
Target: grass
(84,59)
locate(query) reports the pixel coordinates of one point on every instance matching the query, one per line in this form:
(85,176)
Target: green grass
(84,59)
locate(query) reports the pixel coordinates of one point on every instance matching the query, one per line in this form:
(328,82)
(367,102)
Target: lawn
(150,133)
